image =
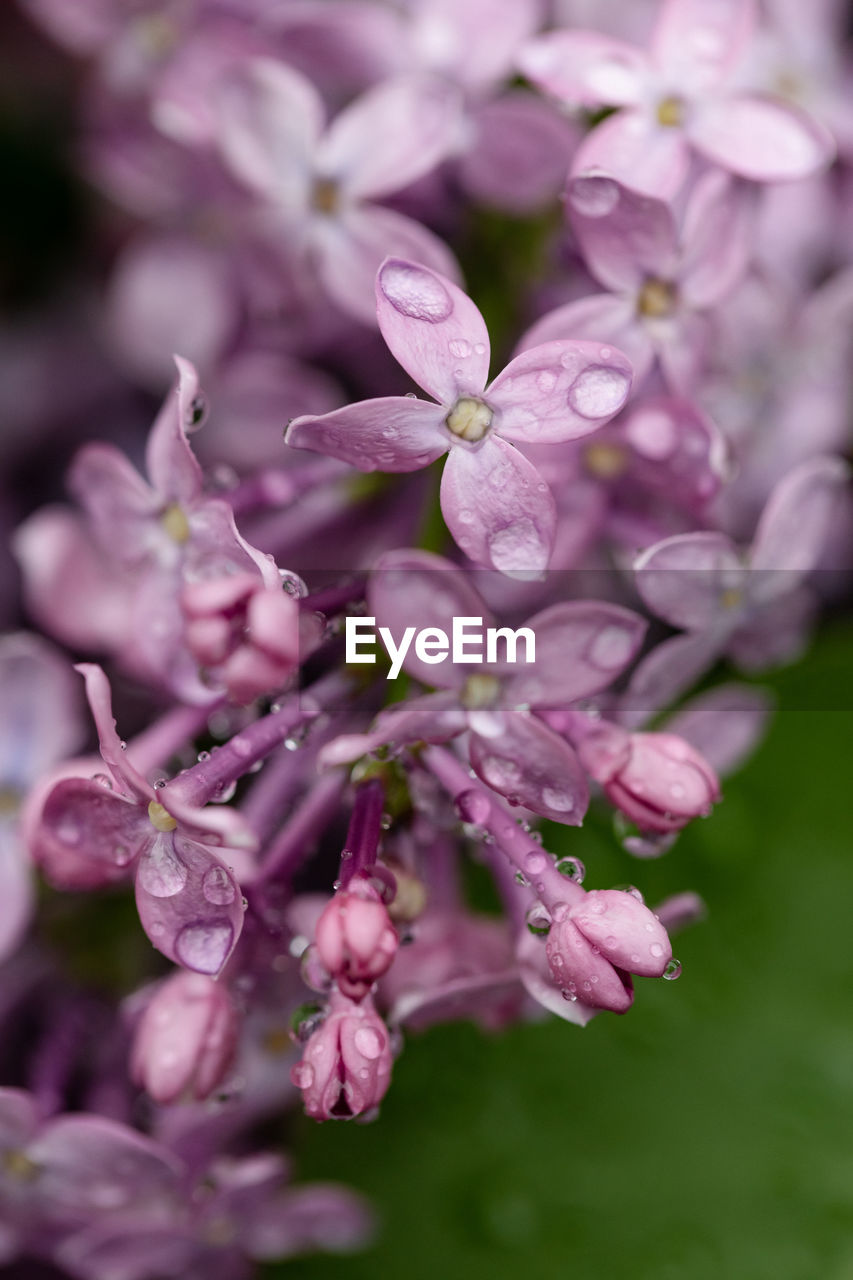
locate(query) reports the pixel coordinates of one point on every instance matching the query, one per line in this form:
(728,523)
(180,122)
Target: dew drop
(218,887)
(559,801)
(538,919)
(161,872)
(415,292)
(598,392)
(610,648)
(535,863)
(672,970)
(368,1042)
(302,1075)
(594,197)
(204,947)
(572,868)
(656,950)
(459,348)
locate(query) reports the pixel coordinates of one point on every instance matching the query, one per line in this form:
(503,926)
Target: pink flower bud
(597,944)
(245,634)
(355,938)
(185,1040)
(346,1066)
(656,779)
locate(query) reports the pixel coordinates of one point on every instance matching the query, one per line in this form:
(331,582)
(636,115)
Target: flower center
(10,802)
(731,598)
(18,1165)
(156,33)
(479,692)
(326,195)
(174,521)
(656,298)
(605,461)
(469,419)
(670,112)
(160,818)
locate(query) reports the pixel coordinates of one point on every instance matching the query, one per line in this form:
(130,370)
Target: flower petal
(666,673)
(586,68)
(581,647)
(725,724)
(121,507)
(169,460)
(796,522)
(520,153)
(559,391)
(632,147)
(717,239)
(432,329)
(624,930)
(601,317)
(436,717)
(112,752)
(623,236)
(86,835)
(692,579)
(390,136)
(394,433)
(16,889)
(533,766)
(42,721)
(696,43)
(498,508)
(761,139)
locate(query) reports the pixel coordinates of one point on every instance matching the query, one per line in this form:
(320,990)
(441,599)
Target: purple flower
(321,183)
(663,279)
(346,1064)
(355,939)
(681,95)
(494,501)
(185,1039)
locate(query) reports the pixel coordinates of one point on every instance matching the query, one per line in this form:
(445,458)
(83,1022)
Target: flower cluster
(633,476)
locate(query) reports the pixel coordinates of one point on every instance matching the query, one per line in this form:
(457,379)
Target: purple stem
(293,845)
(334,599)
(228,763)
(365,829)
(480,806)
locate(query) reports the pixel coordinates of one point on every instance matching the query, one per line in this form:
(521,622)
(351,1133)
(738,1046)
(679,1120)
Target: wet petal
(624,930)
(16,889)
(581,647)
(583,972)
(559,391)
(42,719)
(532,766)
(520,152)
(538,980)
(601,317)
(433,329)
(121,508)
(666,673)
(693,580)
(87,836)
(394,433)
(498,508)
(632,147)
(624,236)
(761,139)
(114,756)
(390,136)
(437,717)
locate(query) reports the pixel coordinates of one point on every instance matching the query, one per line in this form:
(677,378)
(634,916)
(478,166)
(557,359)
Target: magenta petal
(632,147)
(583,972)
(797,520)
(697,42)
(602,317)
(692,579)
(624,930)
(623,236)
(761,138)
(586,68)
(348,251)
(581,647)
(118,502)
(189,903)
(498,508)
(390,136)
(532,766)
(112,751)
(170,462)
(417,588)
(725,725)
(87,836)
(538,980)
(394,433)
(433,329)
(559,391)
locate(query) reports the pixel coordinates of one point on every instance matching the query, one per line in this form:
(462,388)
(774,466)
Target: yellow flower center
(605,461)
(657,298)
(160,818)
(176,524)
(479,692)
(326,196)
(670,112)
(731,598)
(469,419)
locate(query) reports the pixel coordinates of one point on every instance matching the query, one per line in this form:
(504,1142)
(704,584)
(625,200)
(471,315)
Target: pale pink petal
(538,980)
(726,724)
(348,251)
(696,43)
(390,434)
(120,505)
(530,765)
(602,317)
(797,520)
(270,120)
(683,342)
(433,329)
(632,147)
(498,508)
(113,753)
(665,674)
(689,579)
(717,239)
(624,236)
(42,710)
(581,647)
(169,460)
(390,136)
(559,391)
(473,44)
(761,138)
(520,152)
(17,891)
(417,588)
(585,68)
(624,930)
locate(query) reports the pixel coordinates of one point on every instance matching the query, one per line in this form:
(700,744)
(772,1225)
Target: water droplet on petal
(573,868)
(610,648)
(161,872)
(538,919)
(594,197)
(415,292)
(672,970)
(460,348)
(218,887)
(368,1042)
(598,392)
(535,862)
(302,1075)
(204,946)
(559,801)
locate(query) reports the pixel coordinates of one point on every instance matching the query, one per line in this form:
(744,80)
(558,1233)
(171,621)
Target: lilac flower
(494,502)
(355,939)
(681,95)
(186,1038)
(580,647)
(93,830)
(663,280)
(346,1064)
(321,183)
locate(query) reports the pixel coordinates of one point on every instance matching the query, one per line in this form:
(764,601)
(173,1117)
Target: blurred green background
(707,1134)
